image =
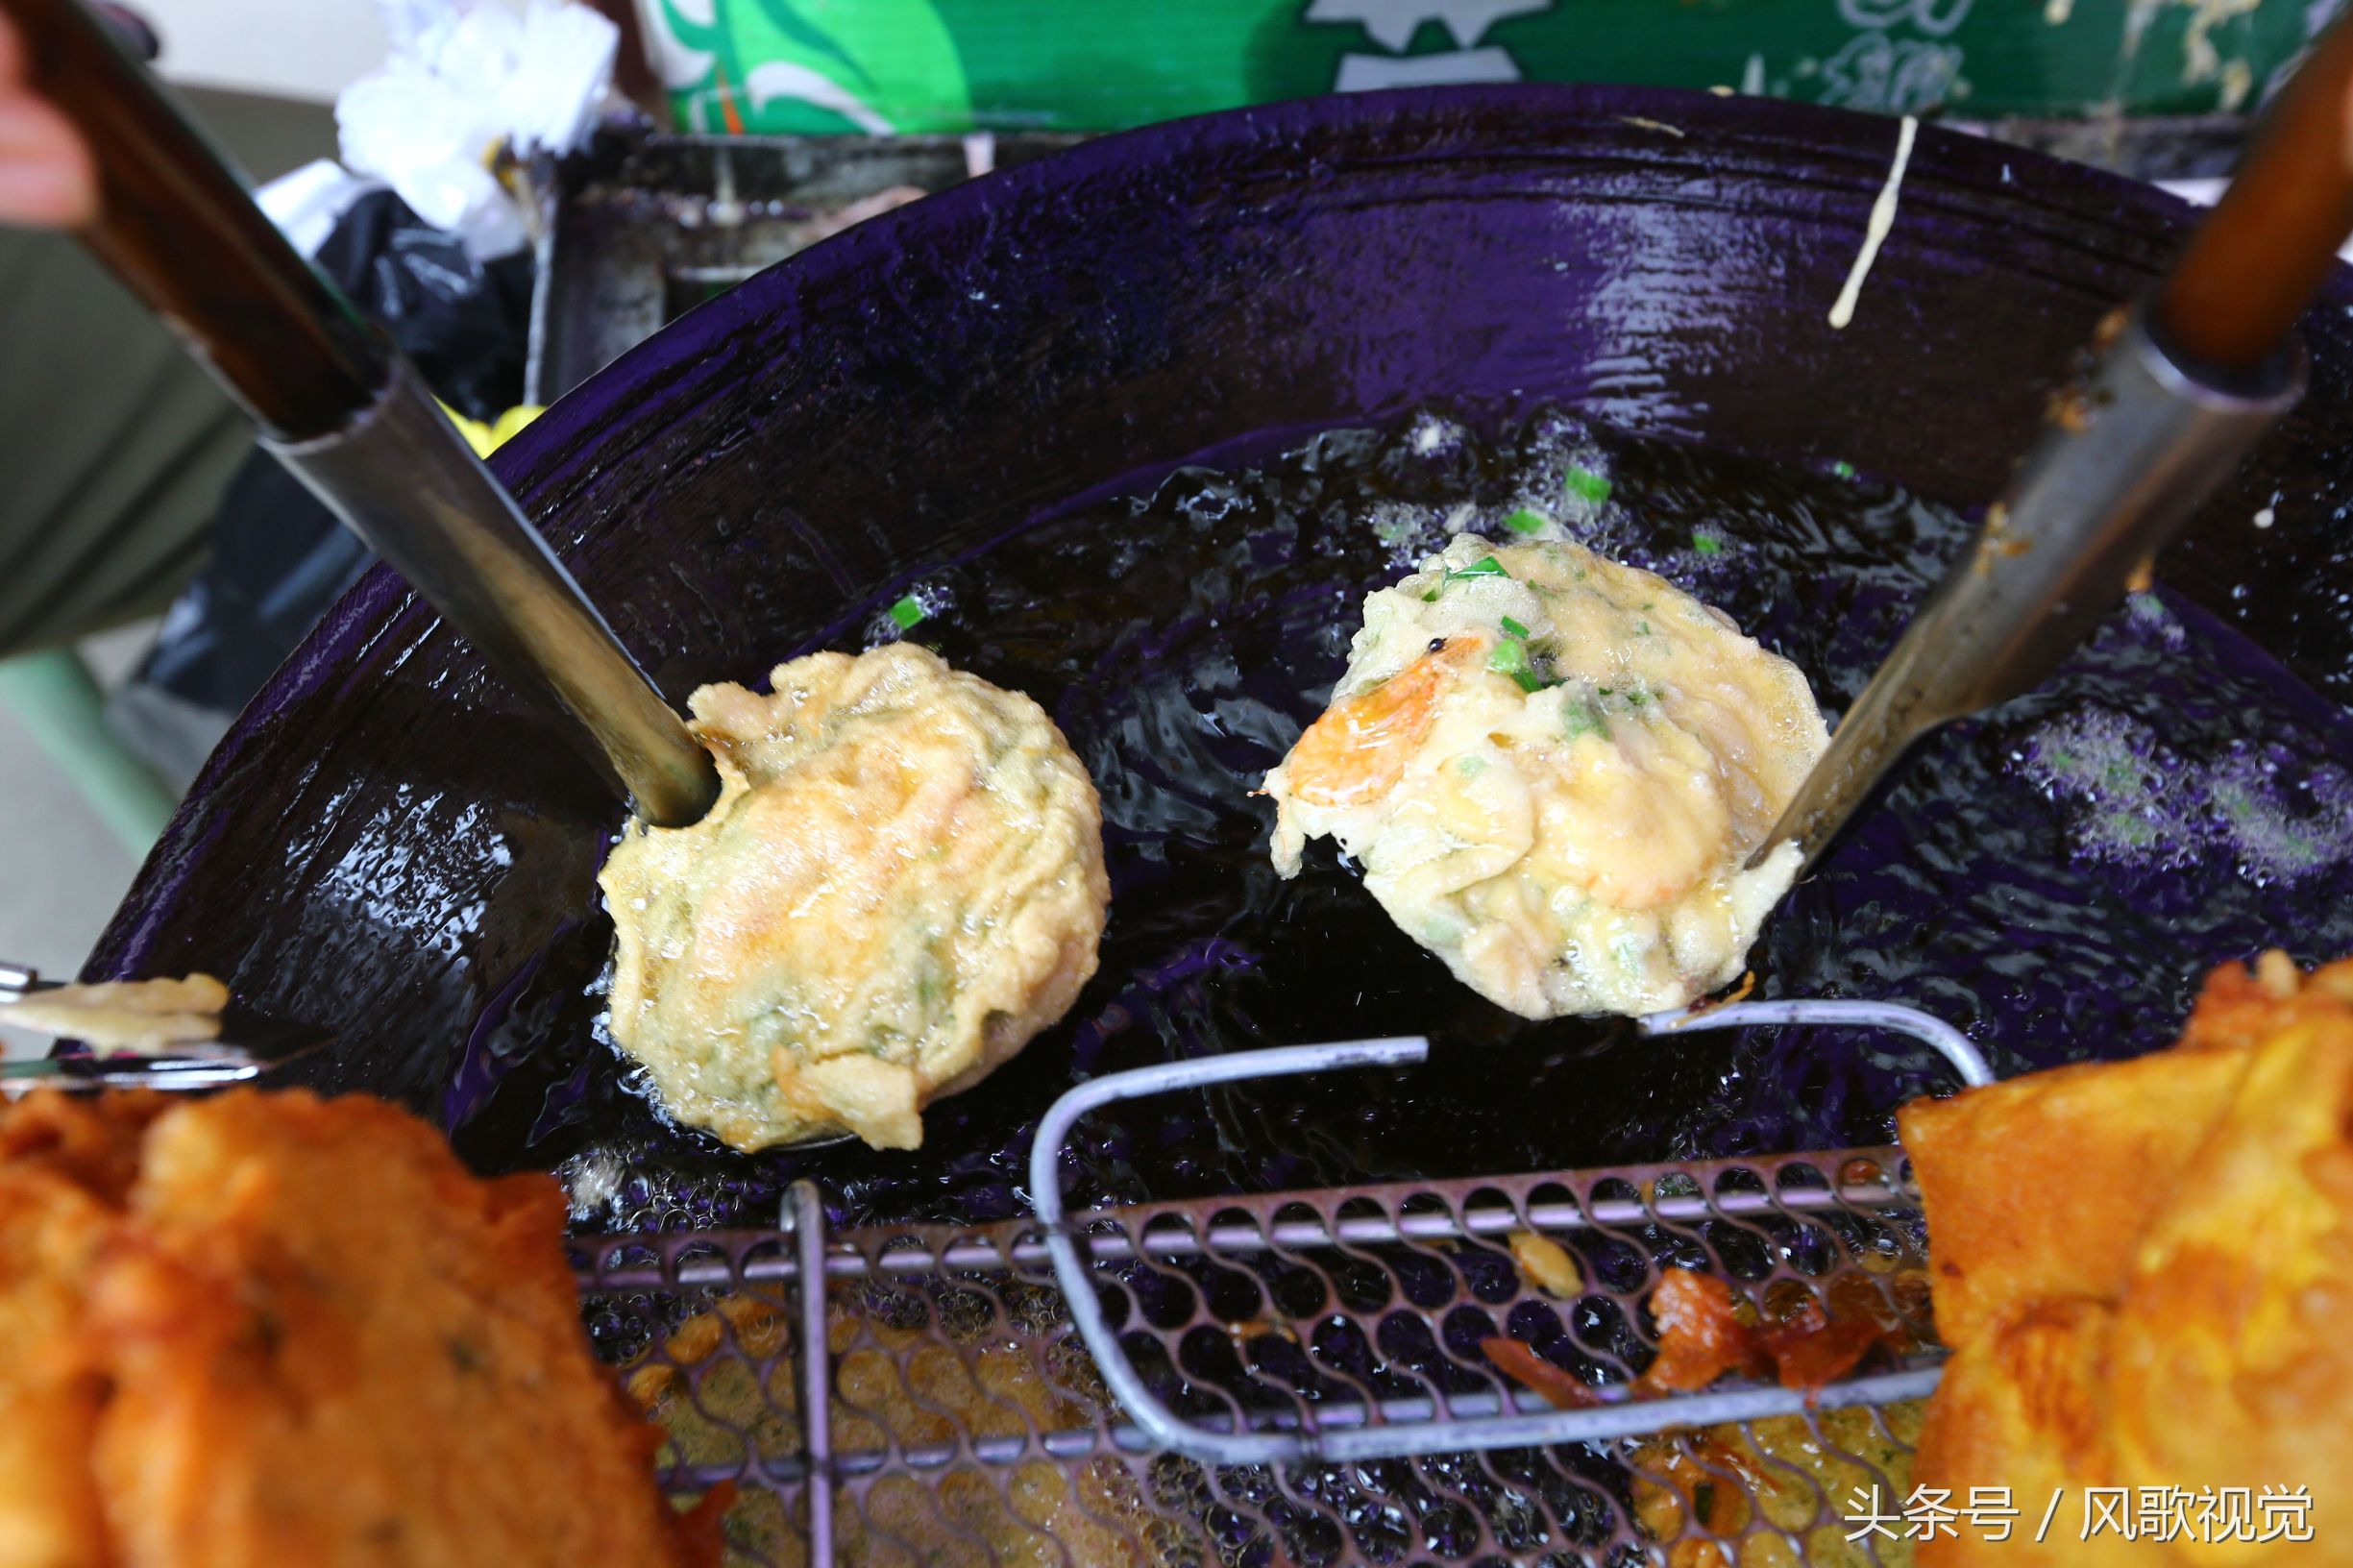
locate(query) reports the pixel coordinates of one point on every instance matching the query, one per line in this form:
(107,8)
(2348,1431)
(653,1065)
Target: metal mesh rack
(1284,1378)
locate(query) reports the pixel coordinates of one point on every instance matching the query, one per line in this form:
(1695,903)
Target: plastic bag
(279,558)
(463,81)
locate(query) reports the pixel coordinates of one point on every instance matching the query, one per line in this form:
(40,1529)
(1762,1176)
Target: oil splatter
(2138,801)
(2132,801)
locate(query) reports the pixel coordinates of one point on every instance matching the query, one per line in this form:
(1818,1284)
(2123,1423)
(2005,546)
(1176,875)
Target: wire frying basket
(1288,1377)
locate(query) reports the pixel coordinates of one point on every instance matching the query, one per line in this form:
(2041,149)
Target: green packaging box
(884,66)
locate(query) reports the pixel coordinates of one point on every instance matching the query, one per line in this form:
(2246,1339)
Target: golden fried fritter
(2020,1406)
(2042,1185)
(2231,1361)
(2146,1272)
(257,1329)
(902,882)
(88,1140)
(2240,1005)
(52,1235)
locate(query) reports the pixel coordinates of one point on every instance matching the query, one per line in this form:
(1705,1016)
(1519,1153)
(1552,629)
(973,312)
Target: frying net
(966,1420)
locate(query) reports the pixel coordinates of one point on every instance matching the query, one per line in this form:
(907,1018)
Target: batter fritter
(258,1330)
(1553,768)
(902,882)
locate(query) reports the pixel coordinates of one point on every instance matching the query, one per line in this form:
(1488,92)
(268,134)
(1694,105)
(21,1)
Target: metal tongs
(248,1046)
(2183,385)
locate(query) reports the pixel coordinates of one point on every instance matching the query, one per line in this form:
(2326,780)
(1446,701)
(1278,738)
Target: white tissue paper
(463,78)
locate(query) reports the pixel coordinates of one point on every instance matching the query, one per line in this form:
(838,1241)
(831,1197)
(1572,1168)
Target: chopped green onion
(1512,629)
(1708,544)
(1470,766)
(1489,567)
(1586,485)
(1844,469)
(1642,628)
(1635,696)
(1582,715)
(1430,598)
(906,613)
(1510,657)
(1526,520)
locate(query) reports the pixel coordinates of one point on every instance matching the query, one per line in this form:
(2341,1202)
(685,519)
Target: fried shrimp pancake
(273,1329)
(2146,1268)
(1553,768)
(902,882)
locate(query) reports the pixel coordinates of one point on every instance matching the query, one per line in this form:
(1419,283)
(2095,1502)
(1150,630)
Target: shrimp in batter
(1553,768)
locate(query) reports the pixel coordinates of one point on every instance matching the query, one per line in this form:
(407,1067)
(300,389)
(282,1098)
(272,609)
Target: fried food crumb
(727,1377)
(1547,1264)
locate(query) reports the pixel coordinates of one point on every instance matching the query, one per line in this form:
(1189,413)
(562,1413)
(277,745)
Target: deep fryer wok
(387,842)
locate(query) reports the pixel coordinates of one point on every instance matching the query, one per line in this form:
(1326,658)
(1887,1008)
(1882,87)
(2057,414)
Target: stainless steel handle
(405,480)
(341,409)
(2130,454)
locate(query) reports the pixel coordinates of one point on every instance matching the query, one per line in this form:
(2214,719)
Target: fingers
(46,176)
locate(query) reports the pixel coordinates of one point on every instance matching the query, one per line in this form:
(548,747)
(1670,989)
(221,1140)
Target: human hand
(46,176)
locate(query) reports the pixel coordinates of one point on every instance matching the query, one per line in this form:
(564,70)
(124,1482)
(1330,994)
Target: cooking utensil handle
(343,410)
(405,480)
(2258,260)
(2181,392)
(178,227)
(2135,451)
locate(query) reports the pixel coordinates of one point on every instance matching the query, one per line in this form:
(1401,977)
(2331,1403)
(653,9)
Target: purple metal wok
(391,845)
